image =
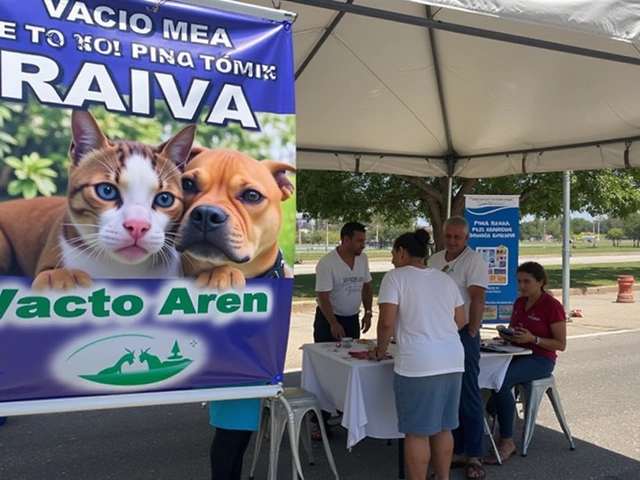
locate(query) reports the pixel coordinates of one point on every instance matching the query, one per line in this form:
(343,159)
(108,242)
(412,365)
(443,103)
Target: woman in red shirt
(540,324)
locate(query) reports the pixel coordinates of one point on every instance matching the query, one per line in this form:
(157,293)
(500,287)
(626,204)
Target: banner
(147,197)
(494,233)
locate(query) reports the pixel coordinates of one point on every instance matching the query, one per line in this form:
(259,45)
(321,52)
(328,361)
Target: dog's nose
(206,217)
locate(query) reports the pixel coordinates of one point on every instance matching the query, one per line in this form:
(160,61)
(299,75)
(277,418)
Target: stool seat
(275,416)
(531,394)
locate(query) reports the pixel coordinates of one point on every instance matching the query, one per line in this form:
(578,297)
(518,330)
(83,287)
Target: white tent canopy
(469,88)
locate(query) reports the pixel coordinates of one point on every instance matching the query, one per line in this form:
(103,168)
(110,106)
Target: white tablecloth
(363,390)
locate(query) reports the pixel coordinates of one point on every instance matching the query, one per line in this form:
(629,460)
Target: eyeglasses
(446,268)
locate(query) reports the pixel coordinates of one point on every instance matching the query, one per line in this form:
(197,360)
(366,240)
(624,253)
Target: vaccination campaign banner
(147,184)
(494,233)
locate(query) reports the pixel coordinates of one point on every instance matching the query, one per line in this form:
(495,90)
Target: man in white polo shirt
(343,282)
(471,273)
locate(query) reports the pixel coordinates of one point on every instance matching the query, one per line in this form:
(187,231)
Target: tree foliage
(401,199)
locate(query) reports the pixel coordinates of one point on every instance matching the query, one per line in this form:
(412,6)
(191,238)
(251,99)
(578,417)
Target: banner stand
(104,402)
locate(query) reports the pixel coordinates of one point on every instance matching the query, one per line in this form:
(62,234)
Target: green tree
(398,199)
(615,235)
(632,228)
(581,225)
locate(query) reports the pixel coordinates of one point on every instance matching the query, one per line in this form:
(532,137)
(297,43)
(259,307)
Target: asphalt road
(598,377)
(377,265)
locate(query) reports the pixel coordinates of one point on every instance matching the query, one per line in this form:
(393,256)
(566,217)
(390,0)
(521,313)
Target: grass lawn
(602,248)
(582,276)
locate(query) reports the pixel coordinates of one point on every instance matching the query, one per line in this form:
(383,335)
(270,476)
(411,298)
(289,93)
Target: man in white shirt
(343,282)
(471,274)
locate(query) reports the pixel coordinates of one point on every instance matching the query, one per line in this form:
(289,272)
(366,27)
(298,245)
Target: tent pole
(449,194)
(566,237)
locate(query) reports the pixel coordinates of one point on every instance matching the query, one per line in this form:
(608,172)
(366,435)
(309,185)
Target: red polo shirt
(538,319)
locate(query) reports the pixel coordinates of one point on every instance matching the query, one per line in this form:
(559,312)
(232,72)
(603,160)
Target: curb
(301,306)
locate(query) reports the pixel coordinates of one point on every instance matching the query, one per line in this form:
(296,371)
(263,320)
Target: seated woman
(539,322)
(424,308)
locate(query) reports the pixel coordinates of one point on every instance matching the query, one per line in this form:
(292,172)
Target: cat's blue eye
(189,186)
(164,200)
(251,196)
(107,192)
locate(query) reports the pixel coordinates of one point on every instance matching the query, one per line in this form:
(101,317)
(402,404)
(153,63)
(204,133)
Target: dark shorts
(322,329)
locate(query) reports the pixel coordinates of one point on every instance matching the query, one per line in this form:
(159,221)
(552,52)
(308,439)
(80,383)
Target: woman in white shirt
(423,309)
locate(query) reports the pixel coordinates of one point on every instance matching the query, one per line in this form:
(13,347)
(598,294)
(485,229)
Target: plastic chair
(531,394)
(276,415)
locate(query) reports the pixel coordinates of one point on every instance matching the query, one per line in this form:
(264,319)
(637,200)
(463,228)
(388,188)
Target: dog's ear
(278,170)
(194,152)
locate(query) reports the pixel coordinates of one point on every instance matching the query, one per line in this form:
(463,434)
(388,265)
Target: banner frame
(128,400)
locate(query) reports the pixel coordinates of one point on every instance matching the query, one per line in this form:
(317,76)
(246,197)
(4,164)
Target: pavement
(597,376)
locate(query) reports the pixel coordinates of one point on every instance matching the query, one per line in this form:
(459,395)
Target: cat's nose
(206,217)
(136,228)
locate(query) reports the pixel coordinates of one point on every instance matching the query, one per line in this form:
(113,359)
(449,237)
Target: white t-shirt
(425,331)
(467,269)
(345,285)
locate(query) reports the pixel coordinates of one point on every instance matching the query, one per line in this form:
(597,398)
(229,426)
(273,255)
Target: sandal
(492,460)
(475,471)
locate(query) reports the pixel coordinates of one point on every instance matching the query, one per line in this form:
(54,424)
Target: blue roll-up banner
(494,233)
(147,210)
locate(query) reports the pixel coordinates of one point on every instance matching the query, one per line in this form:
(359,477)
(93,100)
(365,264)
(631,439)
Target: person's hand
(366,322)
(522,335)
(337,331)
(373,354)
(473,332)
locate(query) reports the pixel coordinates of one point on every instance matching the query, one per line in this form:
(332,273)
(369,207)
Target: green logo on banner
(156,370)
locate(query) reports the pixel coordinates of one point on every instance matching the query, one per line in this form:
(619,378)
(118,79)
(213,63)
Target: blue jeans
(522,369)
(468,437)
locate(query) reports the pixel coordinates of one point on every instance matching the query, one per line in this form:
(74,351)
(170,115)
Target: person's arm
(460,317)
(327,310)
(386,324)
(367,302)
(476,308)
(557,341)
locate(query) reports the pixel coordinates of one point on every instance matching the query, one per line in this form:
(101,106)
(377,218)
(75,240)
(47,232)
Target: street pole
(566,245)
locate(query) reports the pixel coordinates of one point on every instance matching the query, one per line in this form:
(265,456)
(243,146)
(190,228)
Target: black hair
(534,269)
(350,228)
(415,243)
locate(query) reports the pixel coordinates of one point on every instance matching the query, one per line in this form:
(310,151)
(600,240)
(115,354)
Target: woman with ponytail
(422,308)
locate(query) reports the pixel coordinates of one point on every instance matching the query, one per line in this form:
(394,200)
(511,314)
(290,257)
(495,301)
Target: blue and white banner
(147,197)
(494,233)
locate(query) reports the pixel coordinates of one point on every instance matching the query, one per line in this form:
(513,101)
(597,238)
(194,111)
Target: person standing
(471,273)
(423,308)
(235,422)
(343,282)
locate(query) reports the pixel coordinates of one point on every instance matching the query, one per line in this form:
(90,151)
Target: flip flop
(492,460)
(477,469)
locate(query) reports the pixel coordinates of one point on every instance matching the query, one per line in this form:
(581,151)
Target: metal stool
(301,403)
(531,394)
